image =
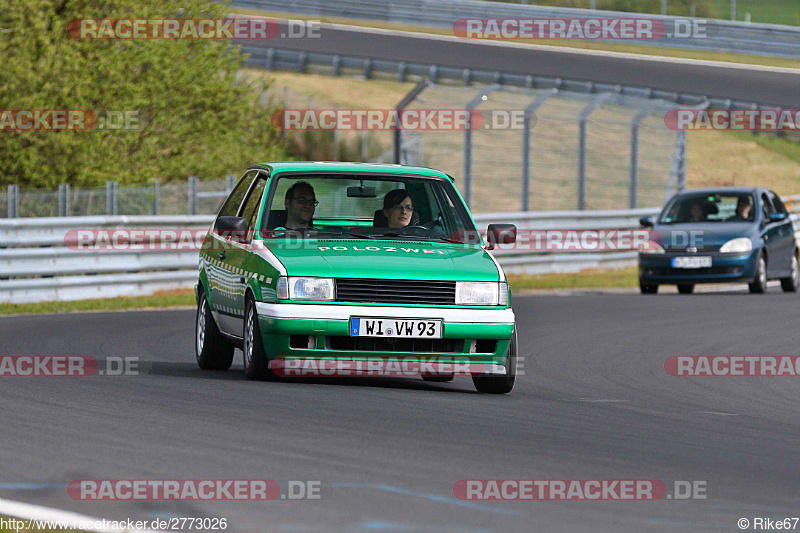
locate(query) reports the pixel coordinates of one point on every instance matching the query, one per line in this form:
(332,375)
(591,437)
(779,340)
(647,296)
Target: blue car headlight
(739,245)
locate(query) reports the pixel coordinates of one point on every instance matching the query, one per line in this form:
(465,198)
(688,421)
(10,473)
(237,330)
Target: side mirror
(501,234)
(777,217)
(233,227)
(646,222)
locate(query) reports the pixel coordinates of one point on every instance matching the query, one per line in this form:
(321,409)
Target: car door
(785,238)
(223,282)
(770,234)
(237,254)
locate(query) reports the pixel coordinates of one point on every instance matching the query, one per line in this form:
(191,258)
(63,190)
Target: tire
(686,288)
(792,283)
(437,378)
(647,288)
(759,284)
(212,351)
(256,365)
(500,384)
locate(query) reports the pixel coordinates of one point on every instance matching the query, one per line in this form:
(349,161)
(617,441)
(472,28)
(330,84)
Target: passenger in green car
(398,208)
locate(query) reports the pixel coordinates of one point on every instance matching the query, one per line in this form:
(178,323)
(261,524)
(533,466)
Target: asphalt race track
(772,86)
(594,403)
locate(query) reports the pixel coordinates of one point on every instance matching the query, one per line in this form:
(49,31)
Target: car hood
(708,235)
(385,259)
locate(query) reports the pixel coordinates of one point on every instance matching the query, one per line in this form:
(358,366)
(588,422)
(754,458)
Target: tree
(193,117)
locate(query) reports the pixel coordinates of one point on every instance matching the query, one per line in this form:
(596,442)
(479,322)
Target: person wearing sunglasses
(398,207)
(300,202)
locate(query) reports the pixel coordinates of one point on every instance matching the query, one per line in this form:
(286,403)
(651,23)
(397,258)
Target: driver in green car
(300,202)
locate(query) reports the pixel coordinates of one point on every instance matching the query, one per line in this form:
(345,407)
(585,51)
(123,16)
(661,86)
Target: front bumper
(725,268)
(475,336)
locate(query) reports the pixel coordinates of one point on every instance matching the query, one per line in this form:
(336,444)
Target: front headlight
(737,246)
(478,292)
(307,288)
(651,247)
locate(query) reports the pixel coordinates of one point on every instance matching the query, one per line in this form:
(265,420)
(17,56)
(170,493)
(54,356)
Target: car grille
(371,344)
(402,291)
(693,271)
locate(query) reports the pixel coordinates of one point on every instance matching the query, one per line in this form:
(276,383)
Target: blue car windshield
(709,208)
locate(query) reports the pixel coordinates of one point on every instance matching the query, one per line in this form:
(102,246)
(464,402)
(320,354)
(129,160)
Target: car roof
(335,166)
(720,190)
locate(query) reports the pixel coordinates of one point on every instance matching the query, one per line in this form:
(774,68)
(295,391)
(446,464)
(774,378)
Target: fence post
(63,200)
(584,117)
(530,113)
(156,196)
(363,145)
(407,99)
(634,176)
(13,201)
(475,102)
(192,195)
(230,182)
(111,198)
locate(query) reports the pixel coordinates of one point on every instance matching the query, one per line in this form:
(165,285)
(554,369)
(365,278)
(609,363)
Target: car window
(231,206)
(250,211)
(709,207)
(777,203)
(352,204)
(766,205)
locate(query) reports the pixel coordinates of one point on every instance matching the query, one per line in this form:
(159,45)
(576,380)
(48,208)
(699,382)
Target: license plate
(691,262)
(396,327)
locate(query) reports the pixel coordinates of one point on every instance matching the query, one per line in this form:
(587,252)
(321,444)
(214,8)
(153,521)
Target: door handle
(221,256)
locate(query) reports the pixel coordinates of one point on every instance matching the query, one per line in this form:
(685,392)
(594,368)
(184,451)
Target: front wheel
(759,285)
(501,384)
(256,365)
(686,288)
(212,351)
(647,288)
(792,283)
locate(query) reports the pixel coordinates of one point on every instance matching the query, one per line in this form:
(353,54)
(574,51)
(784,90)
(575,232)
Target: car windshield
(368,207)
(709,208)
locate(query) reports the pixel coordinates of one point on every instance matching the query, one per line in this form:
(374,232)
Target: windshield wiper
(394,234)
(349,233)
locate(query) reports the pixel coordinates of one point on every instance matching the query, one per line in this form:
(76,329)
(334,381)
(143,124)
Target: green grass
(162,300)
(767,12)
(607,279)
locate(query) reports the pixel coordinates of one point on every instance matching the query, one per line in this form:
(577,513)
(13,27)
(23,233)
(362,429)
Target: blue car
(727,234)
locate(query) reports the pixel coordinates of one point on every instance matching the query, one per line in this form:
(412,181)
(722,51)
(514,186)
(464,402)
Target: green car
(353,269)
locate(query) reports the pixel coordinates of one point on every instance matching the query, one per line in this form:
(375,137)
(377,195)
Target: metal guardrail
(36,263)
(720,35)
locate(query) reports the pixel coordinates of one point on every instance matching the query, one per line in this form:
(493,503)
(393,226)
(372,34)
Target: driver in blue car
(743,208)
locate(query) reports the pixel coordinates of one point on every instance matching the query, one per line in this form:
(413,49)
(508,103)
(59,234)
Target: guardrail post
(364,140)
(230,182)
(63,200)
(156,196)
(111,198)
(13,201)
(682,140)
(192,195)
